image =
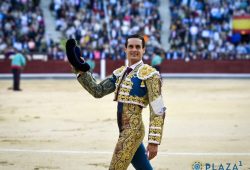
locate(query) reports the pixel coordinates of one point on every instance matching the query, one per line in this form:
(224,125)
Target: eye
(138,47)
(130,46)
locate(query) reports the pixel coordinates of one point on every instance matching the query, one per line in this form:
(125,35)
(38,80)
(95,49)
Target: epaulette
(118,72)
(146,71)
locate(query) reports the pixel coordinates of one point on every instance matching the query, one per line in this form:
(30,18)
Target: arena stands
(101,26)
(202,30)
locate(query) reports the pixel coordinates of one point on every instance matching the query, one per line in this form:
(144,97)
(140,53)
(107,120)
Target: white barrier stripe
(204,154)
(108,152)
(55,151)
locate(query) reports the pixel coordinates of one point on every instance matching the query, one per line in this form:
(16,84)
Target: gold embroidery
(154,138)
(133,100)
(97,90)
(146,71)
(154,131)
(125,90)
(154,91)
(130,138)
(128,83)
(119,71)
(157,121)
(122,97)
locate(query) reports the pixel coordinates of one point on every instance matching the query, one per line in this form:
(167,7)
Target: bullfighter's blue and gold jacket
(141,87)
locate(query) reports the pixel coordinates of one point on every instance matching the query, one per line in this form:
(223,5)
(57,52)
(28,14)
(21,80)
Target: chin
(134,60)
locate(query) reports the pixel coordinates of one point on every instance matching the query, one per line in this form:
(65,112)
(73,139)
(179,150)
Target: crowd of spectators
(201,29)
(102,25)
(21,26)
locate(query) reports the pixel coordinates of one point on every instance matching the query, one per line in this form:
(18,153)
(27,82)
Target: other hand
(152,150)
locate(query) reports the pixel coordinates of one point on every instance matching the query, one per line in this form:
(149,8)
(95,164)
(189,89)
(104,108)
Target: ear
(144,49)
(125,49)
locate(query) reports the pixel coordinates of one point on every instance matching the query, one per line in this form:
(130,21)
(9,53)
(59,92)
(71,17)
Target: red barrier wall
(178,66)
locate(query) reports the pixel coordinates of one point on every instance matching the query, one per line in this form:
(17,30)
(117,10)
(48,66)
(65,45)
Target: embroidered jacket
(142,86)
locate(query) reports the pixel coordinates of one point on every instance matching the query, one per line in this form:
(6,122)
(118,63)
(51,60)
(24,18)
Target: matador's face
(134,50)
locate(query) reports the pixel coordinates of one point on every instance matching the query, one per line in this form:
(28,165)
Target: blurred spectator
(91,63)
(22,25)
(156,61)
(55,52)
(17,64)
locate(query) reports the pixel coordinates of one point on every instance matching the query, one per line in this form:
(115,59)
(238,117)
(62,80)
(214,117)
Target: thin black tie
(128,70)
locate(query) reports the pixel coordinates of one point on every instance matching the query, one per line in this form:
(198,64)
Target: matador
(135,86)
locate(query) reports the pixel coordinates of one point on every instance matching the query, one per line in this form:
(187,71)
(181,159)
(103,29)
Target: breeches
(130,138)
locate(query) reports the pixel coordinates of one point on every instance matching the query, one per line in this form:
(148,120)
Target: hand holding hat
(74,54)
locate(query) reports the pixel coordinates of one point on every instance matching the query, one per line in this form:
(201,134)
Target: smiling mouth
(134,54)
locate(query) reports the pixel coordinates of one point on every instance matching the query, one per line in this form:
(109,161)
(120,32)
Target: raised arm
(85,78)
(105,87)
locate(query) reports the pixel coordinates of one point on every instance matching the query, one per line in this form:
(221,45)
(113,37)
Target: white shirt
(136,64)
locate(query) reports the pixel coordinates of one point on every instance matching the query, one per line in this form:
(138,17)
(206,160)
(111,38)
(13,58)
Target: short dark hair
(135,36)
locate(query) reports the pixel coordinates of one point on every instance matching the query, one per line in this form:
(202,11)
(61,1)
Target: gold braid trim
(146,71)
(132,100)
(118,72)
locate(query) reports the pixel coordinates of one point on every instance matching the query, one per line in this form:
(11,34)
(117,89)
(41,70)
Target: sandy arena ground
(56,125)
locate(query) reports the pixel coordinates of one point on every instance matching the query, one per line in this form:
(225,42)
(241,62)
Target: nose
(134,49)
